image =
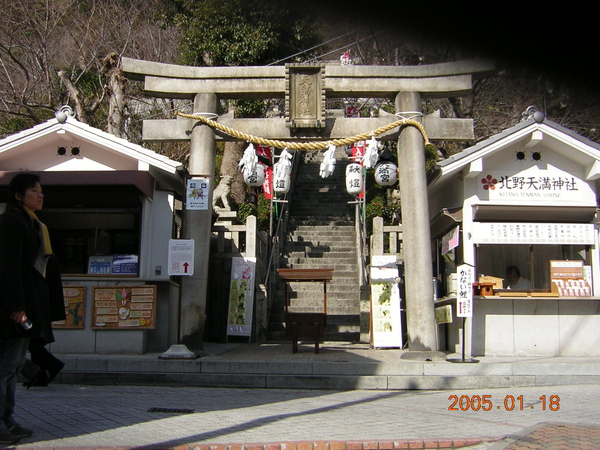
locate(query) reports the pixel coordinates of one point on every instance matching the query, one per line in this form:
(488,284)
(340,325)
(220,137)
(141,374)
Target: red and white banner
(264,152)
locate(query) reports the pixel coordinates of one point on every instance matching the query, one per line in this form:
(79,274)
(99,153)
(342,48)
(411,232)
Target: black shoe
(52,373)
(40,379)
(6,437)
(19,431)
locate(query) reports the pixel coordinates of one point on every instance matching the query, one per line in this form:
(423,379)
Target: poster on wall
(124,307)
(464,294)
(241,297)
(74,308)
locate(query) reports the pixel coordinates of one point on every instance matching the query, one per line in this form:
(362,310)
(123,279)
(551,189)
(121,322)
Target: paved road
(122,416)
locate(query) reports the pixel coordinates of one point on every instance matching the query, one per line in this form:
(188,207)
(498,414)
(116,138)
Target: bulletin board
(74,308)
(124,307)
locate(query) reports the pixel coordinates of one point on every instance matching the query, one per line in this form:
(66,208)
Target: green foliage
(377,206)
(239,32)
(250,108)
(431,156)
(218,158)
(12,125)
(246,209)
(262,211)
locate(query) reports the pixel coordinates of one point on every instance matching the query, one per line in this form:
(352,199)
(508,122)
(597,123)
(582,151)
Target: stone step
(337,268)
(321,234)
(311,233)
(309,258)
(323,228)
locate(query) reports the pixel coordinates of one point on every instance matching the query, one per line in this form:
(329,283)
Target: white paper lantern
(386,173)
(354,178)
(282,183)
(254,176)
(282,173)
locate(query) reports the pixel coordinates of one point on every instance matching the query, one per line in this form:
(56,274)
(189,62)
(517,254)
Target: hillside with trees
(67,52)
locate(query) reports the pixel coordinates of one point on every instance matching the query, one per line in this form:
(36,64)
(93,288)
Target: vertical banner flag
(358,152)
(264,156)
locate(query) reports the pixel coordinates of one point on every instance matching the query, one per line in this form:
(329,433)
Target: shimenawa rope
(308,145)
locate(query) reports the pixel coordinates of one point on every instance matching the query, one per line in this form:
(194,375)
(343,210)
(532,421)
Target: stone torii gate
(305,88)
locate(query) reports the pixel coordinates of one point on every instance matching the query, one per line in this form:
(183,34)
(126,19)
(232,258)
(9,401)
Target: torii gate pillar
(420,314)
(197,226)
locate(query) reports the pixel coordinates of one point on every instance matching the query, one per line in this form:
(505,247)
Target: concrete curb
(340,368)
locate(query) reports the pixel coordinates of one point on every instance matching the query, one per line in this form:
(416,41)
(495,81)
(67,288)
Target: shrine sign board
(124,307)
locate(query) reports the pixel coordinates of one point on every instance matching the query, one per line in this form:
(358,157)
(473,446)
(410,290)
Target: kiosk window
(533,261)
(89,221)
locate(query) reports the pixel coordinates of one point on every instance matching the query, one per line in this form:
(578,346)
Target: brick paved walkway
(553,436)
(341,445)
(190,418)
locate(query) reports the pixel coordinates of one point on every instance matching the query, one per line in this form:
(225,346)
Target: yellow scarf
(46,248)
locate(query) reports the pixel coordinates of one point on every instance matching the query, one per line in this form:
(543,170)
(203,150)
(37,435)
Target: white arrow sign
(181,257)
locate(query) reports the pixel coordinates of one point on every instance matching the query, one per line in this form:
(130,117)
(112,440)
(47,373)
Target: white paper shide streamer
(328,163)
(371,153)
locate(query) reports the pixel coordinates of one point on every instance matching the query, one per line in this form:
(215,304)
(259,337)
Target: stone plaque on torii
(305,88)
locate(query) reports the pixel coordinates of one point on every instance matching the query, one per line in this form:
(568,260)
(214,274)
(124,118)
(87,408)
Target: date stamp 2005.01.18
(508,403)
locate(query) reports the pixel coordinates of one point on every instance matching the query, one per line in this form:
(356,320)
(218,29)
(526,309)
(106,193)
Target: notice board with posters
(74,308)
(124,307)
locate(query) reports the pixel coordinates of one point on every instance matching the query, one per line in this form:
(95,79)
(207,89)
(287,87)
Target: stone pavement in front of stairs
(67,416)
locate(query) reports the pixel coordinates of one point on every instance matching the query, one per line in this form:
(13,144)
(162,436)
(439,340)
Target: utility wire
(312,48)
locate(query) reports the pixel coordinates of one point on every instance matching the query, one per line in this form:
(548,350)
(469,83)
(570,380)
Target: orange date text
(507,403)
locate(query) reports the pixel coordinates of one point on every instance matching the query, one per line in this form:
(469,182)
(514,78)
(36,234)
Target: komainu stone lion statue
(221,192)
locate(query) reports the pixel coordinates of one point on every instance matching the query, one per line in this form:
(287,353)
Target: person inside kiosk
(515,281)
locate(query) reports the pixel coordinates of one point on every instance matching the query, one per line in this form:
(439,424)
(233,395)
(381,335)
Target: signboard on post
(464,293)
(197,190)
(181,257)
(386,326)
(241,297)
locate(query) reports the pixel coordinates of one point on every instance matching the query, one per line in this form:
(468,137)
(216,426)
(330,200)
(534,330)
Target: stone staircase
(321,234)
